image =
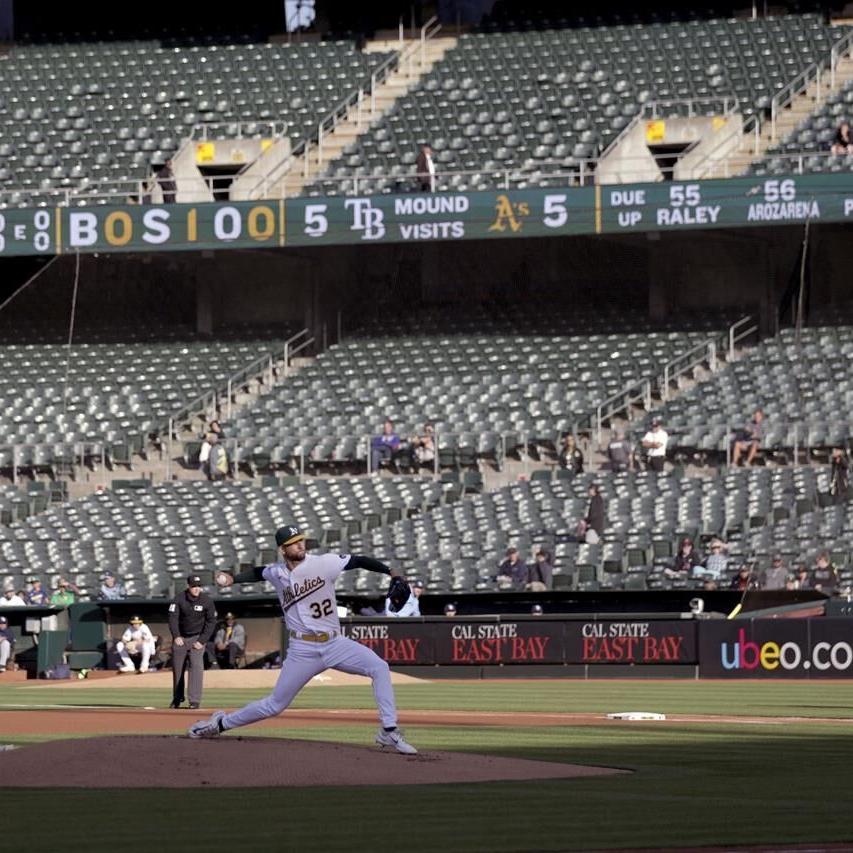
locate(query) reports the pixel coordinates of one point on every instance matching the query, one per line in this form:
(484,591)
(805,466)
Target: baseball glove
(398,593)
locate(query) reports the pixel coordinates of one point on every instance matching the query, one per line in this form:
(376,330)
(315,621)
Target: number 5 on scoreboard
(556,214)
(316,223)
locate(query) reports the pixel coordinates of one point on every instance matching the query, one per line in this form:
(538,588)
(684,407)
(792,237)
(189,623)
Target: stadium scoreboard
(434,217)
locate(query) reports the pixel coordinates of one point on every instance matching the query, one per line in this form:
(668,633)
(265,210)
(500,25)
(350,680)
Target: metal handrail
(201,129)
(294,345)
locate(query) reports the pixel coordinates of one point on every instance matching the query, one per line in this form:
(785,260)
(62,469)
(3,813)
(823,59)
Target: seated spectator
(412,605)
(685,560)
(619,451)
(423,446)
(744,579)
(37,595)
(383,447)
(217,430)
(842,143)
(595,515)
(540,575)
(803,577)
(824,575)
(714,566)
(111,589)
(709,585)
(137,639)
(229,642)
(12,597)
(839,482)
(65,594)
(776,577)
(513,571)
(655,442)
(748,439)
(570,457)
(7,643)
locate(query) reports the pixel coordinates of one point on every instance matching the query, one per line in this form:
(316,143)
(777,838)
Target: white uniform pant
(305,660)
(5,651)
(146,650)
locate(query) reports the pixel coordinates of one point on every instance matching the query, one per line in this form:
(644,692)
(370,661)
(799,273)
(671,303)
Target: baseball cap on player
(135,620)
(4,620)
(288,534)
(194,580)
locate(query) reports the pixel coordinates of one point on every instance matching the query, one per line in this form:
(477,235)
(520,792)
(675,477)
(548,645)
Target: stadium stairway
(416,60)
(808,101)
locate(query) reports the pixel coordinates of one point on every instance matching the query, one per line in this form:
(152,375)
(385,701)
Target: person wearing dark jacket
(570,456)
(595,513)
(192,620)
(540,576)
(685,560)
(168,186)
(513,571)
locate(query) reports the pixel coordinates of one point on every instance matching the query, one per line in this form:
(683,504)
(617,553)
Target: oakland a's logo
(509,215)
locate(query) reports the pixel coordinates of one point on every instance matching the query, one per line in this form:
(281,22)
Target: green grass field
(697,784)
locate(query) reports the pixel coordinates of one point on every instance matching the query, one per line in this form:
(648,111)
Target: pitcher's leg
(298,669)
(349,656)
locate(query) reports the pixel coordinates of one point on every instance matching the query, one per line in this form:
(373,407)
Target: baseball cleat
(211,727)
(396,740)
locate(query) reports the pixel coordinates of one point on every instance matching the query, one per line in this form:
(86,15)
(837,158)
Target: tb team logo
(366,218)
(509,215)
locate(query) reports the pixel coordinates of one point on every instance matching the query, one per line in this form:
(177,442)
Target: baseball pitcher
(305,585)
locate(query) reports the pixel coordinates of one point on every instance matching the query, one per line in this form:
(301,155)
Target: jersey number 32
(321,608)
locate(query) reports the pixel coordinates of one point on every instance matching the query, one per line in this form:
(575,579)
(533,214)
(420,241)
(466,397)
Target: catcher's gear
(398,593)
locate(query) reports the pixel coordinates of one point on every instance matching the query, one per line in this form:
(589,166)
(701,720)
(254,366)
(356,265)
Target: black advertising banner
(400,642)
(776,648)
(639,641)
(478,643)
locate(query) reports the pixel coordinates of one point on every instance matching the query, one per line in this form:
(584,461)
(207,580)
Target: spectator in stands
(595,513)
(776,576)
(7,643)
(824,575)
(803,577)
(425,169)
(12,597)
(137,639)
(217,460)
(65,594)
(714,566)
(748,439)
(111,589)
(216,428)
(842,143)
(709,585)
(411,606)
(654,443)
(685,561)
(166,179)
(540,575)
(423,446)
(619,451)
(204,453)
(839,482)
(744,579)
(513,571)
(229,642)
(570,457)
(37,595)
(383,447)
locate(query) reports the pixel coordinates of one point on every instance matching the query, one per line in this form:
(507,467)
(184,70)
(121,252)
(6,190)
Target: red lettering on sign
(662,649)
(610,648)
(399,651)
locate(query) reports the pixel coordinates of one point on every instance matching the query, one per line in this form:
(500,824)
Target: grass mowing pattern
(702,784)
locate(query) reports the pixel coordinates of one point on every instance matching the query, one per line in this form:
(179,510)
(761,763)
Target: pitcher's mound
(178,762)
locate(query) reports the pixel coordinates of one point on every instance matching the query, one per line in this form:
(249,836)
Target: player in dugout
(305,585)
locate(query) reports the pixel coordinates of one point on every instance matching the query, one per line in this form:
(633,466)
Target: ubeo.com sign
(777,648)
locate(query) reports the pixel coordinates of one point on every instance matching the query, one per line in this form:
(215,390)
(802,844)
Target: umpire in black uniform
(192,619)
